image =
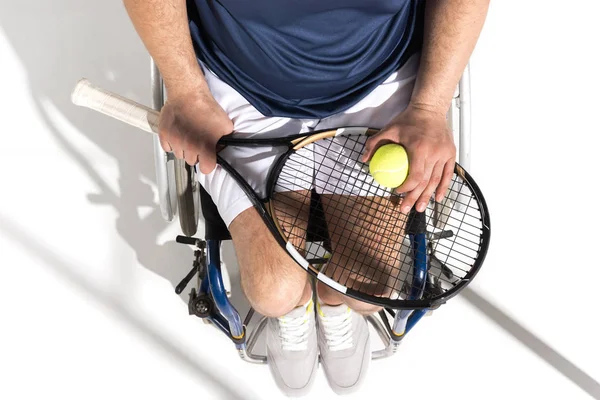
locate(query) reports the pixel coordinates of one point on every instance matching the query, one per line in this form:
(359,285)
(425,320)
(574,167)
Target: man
(266,67)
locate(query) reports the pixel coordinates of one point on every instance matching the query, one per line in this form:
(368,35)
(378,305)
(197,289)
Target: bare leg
(273,283)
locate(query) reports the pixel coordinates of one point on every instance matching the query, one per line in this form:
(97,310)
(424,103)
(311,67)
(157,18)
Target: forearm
(163,27)
(451,30)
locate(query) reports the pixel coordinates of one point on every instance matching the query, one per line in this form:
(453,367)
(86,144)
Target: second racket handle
(87,95)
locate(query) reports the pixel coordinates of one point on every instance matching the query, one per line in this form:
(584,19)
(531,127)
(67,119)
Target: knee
(273,295)
(271,281)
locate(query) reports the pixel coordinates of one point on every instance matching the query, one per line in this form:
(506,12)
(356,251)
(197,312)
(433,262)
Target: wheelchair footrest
(200,305)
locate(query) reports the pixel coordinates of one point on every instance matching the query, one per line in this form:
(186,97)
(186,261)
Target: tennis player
(268,68)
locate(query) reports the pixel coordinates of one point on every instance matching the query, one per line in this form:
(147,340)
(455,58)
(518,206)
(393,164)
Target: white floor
(88,266)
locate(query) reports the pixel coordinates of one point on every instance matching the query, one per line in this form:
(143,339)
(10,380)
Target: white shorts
(375,110)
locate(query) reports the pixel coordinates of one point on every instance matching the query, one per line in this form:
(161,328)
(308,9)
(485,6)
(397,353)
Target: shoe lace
(338,331)
(294,332)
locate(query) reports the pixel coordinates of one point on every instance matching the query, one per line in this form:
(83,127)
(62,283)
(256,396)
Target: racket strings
(362,242)
(363,268)
(464,219)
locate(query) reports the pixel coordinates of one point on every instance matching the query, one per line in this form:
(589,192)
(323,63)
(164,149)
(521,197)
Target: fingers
(434,180)
(415,184)
(190,158)
(185,148)
(442,188)
(200,152)
(426,180)
(207,159)
(164,143)
(164,134)
(171,143)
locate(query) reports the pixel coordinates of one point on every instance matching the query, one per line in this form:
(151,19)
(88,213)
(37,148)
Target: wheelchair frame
(180,193)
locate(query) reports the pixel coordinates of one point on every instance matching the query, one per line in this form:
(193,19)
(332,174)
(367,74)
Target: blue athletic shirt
(305,58)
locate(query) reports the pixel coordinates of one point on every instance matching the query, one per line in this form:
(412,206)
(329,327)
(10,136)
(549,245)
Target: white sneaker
(292,352)
(345,347)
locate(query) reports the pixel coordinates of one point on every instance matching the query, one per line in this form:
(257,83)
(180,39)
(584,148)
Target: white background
(88,266)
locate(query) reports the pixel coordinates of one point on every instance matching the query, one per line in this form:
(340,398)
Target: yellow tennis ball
(389,165)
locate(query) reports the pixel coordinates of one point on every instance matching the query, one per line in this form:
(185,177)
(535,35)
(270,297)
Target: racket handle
(87,95)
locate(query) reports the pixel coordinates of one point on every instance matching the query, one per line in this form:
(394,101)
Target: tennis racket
(326,211)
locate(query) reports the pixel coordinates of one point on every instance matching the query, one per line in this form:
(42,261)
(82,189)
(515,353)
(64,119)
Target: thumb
(372,144)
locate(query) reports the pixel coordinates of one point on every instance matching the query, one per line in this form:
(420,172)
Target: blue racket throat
(419,246)
(416,229)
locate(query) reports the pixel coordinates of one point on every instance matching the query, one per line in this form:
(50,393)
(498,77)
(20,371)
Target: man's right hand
(190,126)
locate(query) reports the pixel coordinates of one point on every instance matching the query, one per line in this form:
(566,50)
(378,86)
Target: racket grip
(87,95)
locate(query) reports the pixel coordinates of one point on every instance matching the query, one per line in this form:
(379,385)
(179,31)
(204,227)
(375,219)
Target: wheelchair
(181,195)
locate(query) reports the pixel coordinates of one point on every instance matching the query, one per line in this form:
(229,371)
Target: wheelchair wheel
(165,170)
(163,162)
(188,197)
(178,188)
(459,122)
